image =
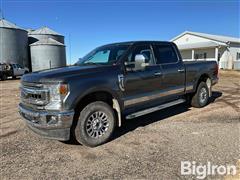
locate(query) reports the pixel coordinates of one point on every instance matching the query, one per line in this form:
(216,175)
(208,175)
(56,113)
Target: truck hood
(62,74)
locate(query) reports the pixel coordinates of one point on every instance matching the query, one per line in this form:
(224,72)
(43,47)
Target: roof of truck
(137,42)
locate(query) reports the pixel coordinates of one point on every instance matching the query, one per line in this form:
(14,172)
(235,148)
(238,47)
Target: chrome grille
(34,95)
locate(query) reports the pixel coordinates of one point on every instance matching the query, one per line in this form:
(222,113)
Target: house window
(238,56)
(200,56)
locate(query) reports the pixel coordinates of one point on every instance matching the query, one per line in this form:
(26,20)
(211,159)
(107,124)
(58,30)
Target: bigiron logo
(201,171)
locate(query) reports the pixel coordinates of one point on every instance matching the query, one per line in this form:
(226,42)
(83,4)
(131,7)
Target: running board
(156,108)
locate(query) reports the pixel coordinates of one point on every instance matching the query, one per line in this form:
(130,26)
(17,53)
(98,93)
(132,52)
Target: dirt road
(150,147)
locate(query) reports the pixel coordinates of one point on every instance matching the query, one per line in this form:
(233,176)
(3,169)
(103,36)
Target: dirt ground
(149,147)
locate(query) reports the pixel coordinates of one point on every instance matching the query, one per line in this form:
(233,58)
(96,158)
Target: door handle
(181,70)
(157,74)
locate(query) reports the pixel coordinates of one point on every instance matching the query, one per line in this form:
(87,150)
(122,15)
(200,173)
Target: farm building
(200,46)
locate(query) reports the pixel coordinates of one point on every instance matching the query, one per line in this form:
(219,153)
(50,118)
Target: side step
(156,108)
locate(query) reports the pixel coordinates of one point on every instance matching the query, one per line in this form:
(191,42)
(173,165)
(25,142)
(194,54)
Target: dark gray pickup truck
(118,81)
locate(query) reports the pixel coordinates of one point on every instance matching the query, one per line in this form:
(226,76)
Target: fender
(117,102)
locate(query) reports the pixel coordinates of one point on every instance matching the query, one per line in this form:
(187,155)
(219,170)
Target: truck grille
(34,95)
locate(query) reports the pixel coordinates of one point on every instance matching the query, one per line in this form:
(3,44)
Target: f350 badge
(121,82)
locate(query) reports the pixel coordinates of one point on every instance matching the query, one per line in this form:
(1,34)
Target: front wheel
(95,124)
(201,97)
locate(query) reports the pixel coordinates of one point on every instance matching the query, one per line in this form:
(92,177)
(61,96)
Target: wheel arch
(204,78)
(104,95)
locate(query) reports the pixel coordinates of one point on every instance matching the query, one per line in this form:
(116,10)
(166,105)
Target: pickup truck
(11,70)
(112,83)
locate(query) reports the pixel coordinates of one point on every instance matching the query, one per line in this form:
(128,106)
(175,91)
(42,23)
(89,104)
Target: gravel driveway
(149,147)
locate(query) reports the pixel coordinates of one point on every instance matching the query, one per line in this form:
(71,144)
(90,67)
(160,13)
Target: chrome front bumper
(52,125)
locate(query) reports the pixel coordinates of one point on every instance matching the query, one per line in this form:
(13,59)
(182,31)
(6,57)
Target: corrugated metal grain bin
(13,44)
(236,65)
(47,54)
(44,33)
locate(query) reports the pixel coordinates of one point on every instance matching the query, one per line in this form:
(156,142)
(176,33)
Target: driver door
(140,84)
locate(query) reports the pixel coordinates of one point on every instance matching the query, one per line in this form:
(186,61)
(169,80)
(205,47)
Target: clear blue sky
(90,23)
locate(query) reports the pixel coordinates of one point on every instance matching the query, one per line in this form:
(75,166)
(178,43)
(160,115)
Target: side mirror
(140,62)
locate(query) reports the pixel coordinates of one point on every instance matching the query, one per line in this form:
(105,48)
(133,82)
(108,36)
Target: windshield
(104,55)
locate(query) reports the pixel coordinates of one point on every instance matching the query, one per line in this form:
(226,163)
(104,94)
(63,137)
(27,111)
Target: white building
(200,46)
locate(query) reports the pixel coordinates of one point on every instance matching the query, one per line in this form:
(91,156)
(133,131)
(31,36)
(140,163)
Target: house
(200,46)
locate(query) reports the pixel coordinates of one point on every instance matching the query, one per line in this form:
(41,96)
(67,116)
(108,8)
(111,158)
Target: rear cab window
(165,54)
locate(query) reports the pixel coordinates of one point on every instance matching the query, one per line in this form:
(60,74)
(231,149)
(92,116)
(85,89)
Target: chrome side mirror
(140,62)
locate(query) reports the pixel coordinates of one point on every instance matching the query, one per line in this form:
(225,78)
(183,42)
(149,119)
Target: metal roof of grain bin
(13,43)
(6,24)
(44,33)
(46,54)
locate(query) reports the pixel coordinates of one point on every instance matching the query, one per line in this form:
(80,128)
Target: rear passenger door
(172,68)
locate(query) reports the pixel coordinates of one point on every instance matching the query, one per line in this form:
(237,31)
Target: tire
(95,125)
(201,97)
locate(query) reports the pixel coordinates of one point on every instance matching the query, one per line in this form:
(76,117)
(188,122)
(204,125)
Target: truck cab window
(104,55)
(100,56)
(165,54)
(20,66)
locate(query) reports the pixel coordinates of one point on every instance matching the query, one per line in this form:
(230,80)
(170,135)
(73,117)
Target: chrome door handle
(181,70)
(157,74)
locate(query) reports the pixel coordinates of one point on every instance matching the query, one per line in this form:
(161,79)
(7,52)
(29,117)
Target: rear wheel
(95,124)
(201,97)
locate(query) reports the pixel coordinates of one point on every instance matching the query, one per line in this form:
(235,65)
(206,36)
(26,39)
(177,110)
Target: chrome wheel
(203,95)
(97,124)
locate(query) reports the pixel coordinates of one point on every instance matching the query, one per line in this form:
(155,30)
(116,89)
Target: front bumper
(52,125)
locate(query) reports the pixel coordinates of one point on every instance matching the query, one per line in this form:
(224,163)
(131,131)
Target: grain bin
(44,33)
(13,44)
(46,54)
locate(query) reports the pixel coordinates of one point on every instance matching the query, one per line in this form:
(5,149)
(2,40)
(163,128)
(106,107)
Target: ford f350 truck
(118,81)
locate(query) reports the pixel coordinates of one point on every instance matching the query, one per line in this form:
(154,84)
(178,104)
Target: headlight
(58,93)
